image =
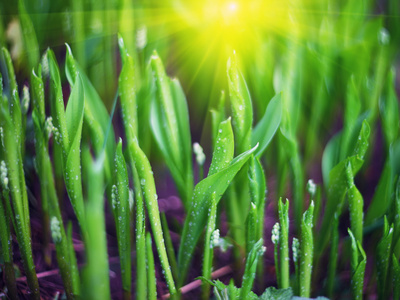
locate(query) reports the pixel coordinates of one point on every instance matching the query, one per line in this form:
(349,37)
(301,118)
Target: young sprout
(306,252)
(284,243)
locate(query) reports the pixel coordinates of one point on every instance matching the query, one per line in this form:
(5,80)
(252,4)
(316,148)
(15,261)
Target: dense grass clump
(275,151)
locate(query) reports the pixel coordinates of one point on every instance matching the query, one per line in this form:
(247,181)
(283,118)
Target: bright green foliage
(358,263)
(96,281)
(337,186)
(208,247)
(49,195)
(127,93)
(170,126)
(242,109)
(122,214)
(95,115)
(197,215)
(145,175)
(356,204)
(306,252)
(28,36)
(10,122)
(383,260)
(268,125)
(250,270)
(151,273)
(283,244)
(251,227)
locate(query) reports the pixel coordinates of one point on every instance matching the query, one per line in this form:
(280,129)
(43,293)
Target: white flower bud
(198,151)
(55,230)
(275,233)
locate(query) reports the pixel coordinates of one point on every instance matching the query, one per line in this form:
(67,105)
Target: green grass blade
(333,255)
(5,235)
(57,103)
(122,217)
(197,216)
(383,260)
(127,93)
(169,246)
(28,36)
(396,277)
(251,228)
(208,249)
(268,125)
(19,200)
(151,273)
(72,165)
(337,186)
(217,116)
(358,264)
(250,269)
(96,282)
(140,230)
(224,148)
(95,114)
(145,173)
(242,109)
(170,127)
(306,252)
(356,205)
(284,243)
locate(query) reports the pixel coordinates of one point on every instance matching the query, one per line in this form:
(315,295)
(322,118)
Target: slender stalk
(284,244)
(151,273)
(208,249)
(5,235)
(306,252)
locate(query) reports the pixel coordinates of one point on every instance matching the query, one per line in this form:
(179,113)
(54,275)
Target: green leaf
(382,260)
(224,148)
(145,173)
(269,123)
(306,252)
(151,273)
(170,127)
(337,186)
(122,216)
(29,36)
(208,249)
(72,166)
(250,268)
(197,215)
(272,293)
(242,110)
(358,264)
(284,243)
(95,114)
(57,102)
(356,205)
(127,93)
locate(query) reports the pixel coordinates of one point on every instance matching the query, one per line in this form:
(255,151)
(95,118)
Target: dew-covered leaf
(170,127)
(269,123)
(224,148)
(198,213)
(242,109)
(147,183)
